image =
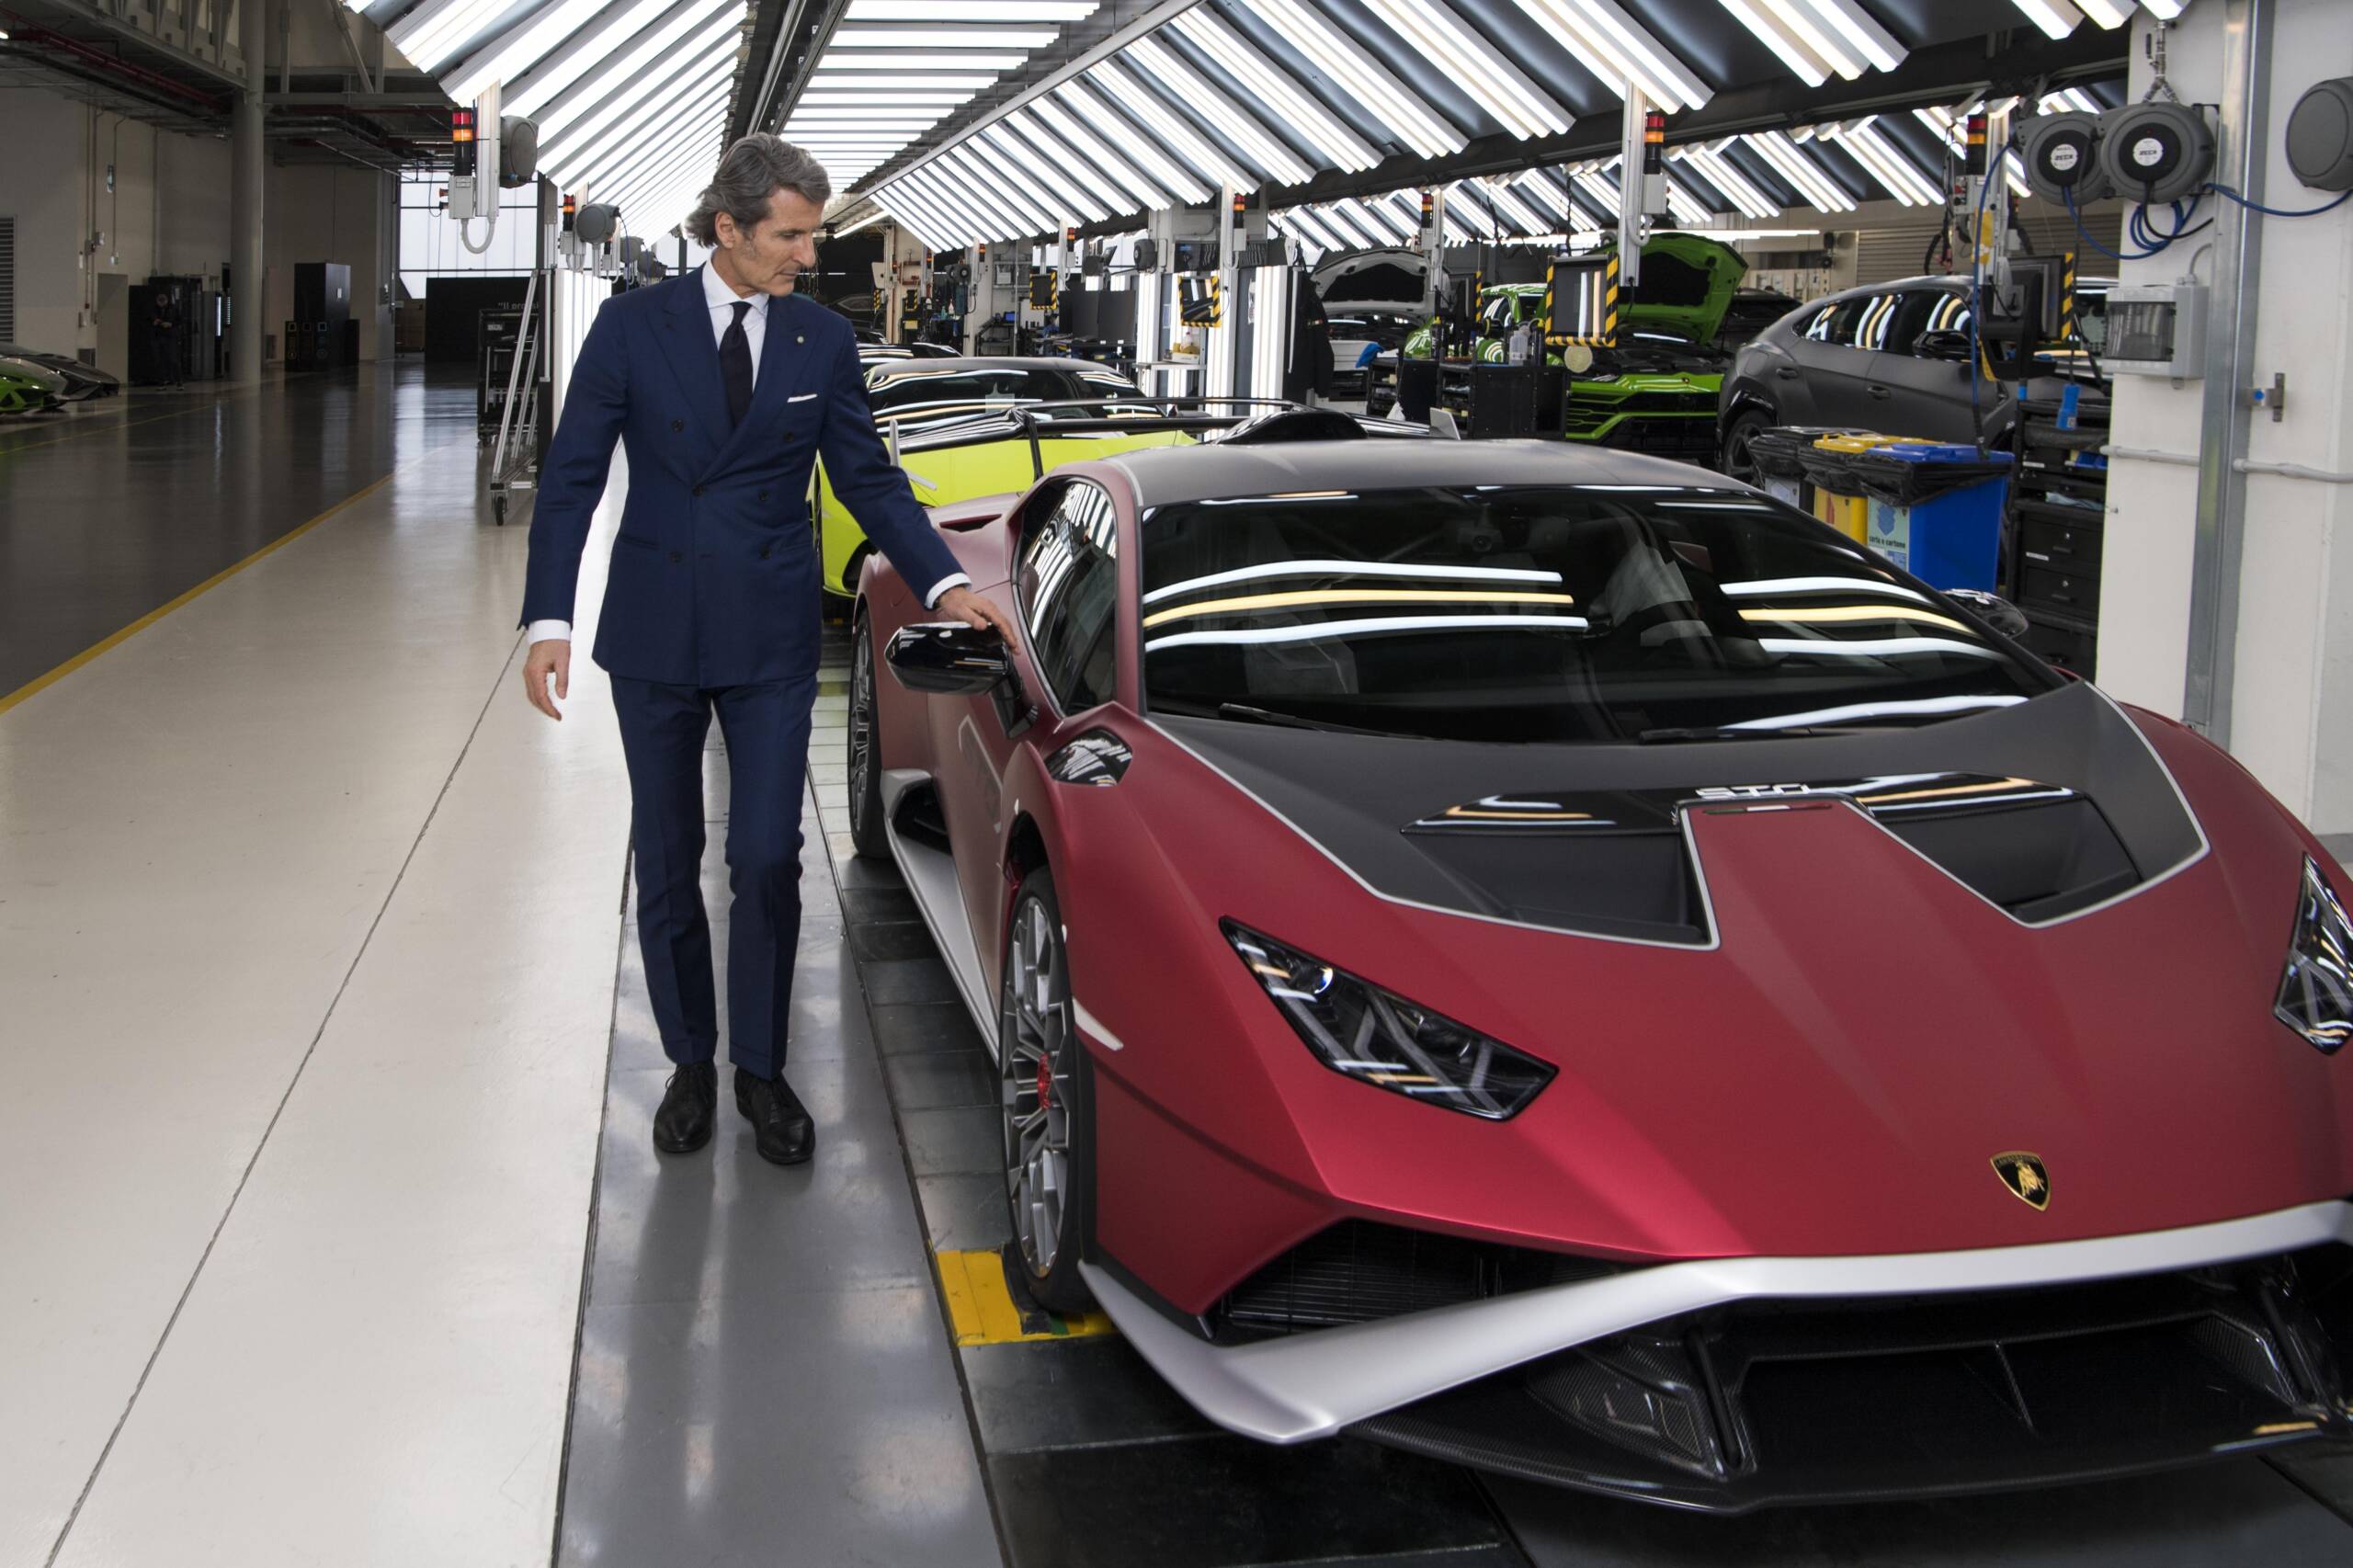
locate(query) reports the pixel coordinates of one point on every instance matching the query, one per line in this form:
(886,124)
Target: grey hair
(750,172)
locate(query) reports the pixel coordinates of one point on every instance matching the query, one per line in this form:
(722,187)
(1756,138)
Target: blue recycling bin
(1936,509)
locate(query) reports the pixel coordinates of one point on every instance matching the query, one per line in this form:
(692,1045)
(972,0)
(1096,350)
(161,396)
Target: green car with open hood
(1656,389)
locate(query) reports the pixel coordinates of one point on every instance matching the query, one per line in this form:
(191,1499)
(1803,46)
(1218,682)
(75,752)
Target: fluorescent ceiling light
(1515,211)
(1884,161)
(2108,14)
(662,158)
(1033,133)
(1618,51)
(971,10)
(1816,38)
(2163,10)
(1009,146)
(1499,86)
(865,97)
(1358,232)
(1082,100)
(1810,182)
(843,59)
(1126,171)
(627,113)
(430,31)
(1539,186)
(992,187)
(2057,18)
(1277,91)
(513,50)
(594,103)
(972,220)
(1178,137)
(592,46)
(1414,122)
(898,82)
(1257,143)
(941,37)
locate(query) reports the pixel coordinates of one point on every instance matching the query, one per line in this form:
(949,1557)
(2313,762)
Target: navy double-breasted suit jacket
(714,575)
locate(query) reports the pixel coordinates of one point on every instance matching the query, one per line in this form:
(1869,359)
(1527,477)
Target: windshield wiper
(1727,733)
(1243,710)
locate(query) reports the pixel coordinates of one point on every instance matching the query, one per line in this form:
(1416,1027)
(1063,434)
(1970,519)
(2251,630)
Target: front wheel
(865,748)
(1047,1092)
(1738,462)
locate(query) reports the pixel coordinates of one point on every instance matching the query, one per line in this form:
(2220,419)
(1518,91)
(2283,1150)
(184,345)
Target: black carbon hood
(2046,810)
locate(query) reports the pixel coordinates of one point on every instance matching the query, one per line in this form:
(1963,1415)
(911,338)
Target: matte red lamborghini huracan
(1553,959)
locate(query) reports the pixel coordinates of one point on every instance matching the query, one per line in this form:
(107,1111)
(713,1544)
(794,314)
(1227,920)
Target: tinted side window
(1922,311)
(1836,322)
(1070,596)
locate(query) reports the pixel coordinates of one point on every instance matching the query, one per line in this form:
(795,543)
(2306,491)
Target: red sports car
(1551,959)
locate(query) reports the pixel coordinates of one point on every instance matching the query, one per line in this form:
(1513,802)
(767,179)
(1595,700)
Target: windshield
(1593,613)
(1001,387)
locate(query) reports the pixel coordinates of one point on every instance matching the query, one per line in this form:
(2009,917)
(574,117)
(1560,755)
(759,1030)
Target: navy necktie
(735,364)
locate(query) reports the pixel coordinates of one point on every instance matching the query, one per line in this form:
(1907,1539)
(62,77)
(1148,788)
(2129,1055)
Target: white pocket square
(801,397)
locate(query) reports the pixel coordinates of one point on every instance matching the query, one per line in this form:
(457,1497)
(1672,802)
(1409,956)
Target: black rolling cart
(498,334)
(2058,524)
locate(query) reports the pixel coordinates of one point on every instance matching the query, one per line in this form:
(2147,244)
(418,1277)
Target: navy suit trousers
(663,733)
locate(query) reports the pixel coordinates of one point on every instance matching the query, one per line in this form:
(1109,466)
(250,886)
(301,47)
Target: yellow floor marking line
(981,1311)
(52,676)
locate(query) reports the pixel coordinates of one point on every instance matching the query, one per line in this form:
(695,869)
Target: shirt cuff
(953,580)
(546,631)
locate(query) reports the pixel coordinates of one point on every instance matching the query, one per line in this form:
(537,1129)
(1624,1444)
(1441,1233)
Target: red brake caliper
(1045,1085)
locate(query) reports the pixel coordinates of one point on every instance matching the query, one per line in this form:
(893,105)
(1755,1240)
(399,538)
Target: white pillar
(247,171)
(2290,693)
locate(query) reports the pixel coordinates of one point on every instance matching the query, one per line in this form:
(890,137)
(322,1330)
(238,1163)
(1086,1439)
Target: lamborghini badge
(2023,1174)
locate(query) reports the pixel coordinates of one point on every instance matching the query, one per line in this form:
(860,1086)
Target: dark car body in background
(1891,357)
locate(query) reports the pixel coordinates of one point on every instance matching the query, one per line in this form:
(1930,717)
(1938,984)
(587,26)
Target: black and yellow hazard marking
(983,1308)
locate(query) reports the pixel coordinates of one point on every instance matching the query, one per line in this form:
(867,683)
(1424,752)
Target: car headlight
(2316,988)
(1377,1037)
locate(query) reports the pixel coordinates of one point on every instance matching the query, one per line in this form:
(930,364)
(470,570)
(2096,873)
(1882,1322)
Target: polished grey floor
(765,1373)
(114,507)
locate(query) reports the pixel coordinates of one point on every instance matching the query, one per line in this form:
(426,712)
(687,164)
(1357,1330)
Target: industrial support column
(246,172)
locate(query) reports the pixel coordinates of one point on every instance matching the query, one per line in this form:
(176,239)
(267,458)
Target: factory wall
(80,243)
(2292,694)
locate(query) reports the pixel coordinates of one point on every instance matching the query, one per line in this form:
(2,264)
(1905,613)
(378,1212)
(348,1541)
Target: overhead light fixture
(2109,14)
(1515,211)
(1709,164)
(1277,91)
(1802,173)
(1061,189)
(1257,143)
(1080,100)
(1618,51)
(1035,135)
(593,46)
(941,37)
(513,51)
(1352,219)
(1499,86)
(593,105)
(920,219)
(893,59)
(1007,190)
(972,10)
(1884,161)
(898,82)
(939,186)
(2057,18)
(623,115)
(878,96)
(427,33)
(1380,94)
(1177,137)
(2163,10)
(1554,199)
(956,214)
(1126,171)
(1816,38)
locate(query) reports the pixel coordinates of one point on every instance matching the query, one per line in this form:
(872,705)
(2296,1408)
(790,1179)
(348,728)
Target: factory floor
(329,1227)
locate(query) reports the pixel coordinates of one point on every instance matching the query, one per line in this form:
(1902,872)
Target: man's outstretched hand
(963,604)
(550,656)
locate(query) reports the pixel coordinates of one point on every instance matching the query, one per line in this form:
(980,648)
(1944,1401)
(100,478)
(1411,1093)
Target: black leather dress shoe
(689,1106)
(781,1128)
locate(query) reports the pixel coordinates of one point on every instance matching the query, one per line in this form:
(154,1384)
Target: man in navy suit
(725,385)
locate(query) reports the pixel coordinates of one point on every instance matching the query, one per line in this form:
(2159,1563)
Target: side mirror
(1992,609)
(950,658)
(1950,346)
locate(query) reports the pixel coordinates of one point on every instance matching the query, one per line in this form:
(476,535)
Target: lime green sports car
(948,422)
(1656,389)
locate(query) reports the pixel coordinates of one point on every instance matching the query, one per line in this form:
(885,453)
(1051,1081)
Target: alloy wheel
(861,724)
(1036,1062)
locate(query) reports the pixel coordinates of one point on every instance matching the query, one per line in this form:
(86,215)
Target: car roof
(1219,471)
(933,366)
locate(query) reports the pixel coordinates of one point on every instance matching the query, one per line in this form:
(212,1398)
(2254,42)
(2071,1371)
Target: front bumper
(1728,1383)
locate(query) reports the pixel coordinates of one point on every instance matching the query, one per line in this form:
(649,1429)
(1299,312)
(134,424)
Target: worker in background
(164,339)
(725,384)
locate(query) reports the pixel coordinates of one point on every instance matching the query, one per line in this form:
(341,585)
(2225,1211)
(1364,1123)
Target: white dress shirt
(720,298)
